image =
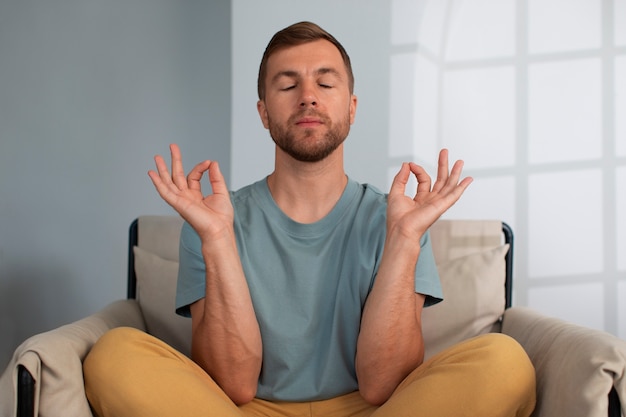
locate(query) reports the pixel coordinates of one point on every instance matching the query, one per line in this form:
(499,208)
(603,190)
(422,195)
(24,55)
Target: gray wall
(89,92)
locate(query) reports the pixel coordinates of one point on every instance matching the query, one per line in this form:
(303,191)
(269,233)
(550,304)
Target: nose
(308,98)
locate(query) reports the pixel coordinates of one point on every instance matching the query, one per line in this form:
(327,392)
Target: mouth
(309,122)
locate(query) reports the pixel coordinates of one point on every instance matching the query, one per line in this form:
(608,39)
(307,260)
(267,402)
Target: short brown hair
(298,34)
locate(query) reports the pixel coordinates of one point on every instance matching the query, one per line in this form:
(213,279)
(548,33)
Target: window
(528,93)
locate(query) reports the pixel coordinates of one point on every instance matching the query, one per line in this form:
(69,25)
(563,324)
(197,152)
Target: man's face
(308,107)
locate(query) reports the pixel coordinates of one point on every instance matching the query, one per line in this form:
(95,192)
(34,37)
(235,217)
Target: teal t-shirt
(308,284)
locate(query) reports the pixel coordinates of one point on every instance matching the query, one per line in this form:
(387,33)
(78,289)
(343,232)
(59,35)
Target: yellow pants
(130,373)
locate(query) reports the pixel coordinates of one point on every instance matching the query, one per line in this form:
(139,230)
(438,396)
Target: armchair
(580,372)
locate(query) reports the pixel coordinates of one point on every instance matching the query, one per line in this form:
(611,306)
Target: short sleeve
(191,283)
(426,275)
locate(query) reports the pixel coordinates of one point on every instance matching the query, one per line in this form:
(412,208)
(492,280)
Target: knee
(509,364)
(504,352)
(110,353)
(117,337)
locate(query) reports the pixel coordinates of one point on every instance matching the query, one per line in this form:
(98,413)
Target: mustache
(309,113)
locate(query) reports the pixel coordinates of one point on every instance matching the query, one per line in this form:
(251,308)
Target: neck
(307,191)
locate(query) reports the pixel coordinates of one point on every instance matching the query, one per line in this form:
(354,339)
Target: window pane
(418,21)
(565,234)
(499,192)
(401,104)
(620,22)
(621,218)
(482,29)
(479,116)
(565,119)
(563,25)
(426,96)
(431,29)
(406,17)
(582,304)
(620,105)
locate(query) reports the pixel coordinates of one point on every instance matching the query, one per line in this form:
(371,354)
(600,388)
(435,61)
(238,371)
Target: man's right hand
(211,216)
(226,340)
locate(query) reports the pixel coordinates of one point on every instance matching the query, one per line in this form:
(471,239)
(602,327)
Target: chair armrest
(576,367)
(54,360)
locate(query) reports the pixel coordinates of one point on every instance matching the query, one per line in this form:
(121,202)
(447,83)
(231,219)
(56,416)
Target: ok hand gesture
(210,215)
(412,217)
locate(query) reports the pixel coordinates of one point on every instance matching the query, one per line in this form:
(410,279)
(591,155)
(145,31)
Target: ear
(260,107)
(353,103)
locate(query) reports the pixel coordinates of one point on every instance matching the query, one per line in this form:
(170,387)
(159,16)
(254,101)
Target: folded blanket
(55,360)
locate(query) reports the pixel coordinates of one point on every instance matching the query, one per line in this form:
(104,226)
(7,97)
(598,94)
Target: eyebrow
(295,74)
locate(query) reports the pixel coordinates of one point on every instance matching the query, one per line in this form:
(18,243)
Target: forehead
(305,58)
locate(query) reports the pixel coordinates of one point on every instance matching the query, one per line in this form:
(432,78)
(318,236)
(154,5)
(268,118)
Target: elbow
(239,381)
(240,387)
(374,395)
(374,391)
(241,394)
(376,387)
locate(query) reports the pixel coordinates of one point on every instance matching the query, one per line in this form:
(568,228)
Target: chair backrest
(159,235)
(152,274)
(474,259)
(475,263)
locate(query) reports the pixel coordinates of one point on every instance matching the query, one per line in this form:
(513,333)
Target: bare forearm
(226,340)
(226,336)
(390,341)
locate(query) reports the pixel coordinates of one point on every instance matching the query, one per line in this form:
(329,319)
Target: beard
(312,145)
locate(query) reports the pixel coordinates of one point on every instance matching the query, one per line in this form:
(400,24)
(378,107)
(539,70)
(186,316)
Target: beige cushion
(473,288)
(452,239)
(576,366)
(160,235)
(156,292)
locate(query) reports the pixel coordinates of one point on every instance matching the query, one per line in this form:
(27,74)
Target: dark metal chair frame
(26,383)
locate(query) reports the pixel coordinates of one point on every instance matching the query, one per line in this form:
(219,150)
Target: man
(305,289)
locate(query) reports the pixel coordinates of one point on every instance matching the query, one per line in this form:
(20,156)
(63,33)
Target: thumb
(398,186)
(218,184)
